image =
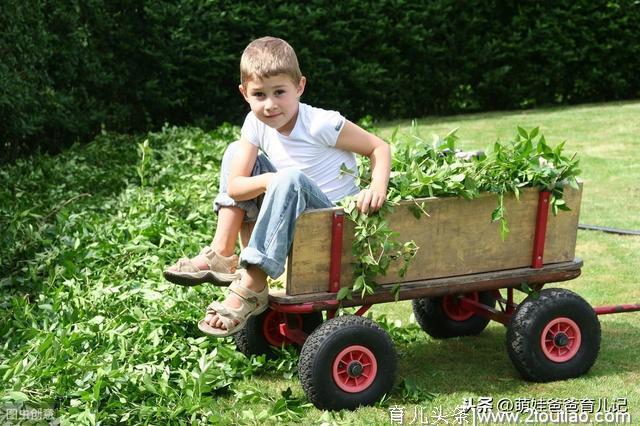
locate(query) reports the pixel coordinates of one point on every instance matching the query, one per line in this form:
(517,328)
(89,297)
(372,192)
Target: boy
(306,147)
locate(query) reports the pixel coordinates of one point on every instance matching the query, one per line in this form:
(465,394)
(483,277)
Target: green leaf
(148,384)
(345,170)
(529,291)
(395,290)
(457,178)
(359,283)
(98,319)
(504,229)
(368,260)
(415,210)
(151,295)
(522,132)
(15,396)
(534,132)
(496,214)
(344,293)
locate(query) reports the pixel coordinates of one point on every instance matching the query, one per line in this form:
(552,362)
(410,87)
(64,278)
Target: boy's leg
(245,233)
(229,223)
(290,194)
(217,262)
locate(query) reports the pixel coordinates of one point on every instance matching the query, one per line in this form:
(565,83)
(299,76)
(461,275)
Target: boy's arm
(242,186)
(355,139)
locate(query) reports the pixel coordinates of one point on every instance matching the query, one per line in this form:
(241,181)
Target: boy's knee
(288,178)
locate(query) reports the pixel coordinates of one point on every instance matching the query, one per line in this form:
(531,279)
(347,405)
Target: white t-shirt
(310,148)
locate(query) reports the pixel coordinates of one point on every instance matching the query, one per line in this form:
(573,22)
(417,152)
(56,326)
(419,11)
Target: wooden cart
(462,277)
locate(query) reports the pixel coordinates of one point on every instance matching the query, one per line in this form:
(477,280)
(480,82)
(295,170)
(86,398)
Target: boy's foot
(208,266)
(230,316)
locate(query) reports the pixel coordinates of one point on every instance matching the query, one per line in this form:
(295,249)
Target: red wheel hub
(271,327)
(561,339)
(454,310)
(354,369)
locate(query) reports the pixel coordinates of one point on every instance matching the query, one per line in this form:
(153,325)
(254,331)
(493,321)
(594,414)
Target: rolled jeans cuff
(250,206)
(251,256)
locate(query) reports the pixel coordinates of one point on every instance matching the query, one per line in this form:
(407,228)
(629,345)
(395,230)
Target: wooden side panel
(562,230)
(457,238)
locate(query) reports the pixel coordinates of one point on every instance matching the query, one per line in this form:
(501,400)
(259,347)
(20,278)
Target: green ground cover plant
(90,329)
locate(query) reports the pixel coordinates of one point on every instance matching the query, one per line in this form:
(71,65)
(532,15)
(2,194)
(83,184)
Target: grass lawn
(604,136)
(90,329)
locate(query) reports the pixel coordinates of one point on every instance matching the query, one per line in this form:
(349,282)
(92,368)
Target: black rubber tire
(436,323)
(526,327)
(251,340)
(323,346)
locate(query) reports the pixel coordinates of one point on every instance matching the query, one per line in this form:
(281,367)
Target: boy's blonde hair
(267,57)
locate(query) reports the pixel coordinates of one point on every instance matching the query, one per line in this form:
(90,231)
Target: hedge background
(69,68)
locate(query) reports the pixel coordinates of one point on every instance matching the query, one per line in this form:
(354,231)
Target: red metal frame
(364,308)
(271,326)
(501,316)
(304,308)
(615,309)
(337,232)
(457,311)
(511,307)
(541,229)
(337,228)
(295,335)
(504,315)
(507,307)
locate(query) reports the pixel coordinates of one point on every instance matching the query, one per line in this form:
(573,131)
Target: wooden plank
(555,272)
(457,238)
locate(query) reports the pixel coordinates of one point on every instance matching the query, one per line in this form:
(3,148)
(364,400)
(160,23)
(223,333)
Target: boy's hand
(370,200)
(355,139)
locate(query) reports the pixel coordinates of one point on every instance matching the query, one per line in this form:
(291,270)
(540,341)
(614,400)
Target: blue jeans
(290,193)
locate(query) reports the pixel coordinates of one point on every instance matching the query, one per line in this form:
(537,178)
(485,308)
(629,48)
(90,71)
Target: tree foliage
(72,68)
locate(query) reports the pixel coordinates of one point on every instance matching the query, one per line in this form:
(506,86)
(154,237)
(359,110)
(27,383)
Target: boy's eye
(280,92)
(258,94)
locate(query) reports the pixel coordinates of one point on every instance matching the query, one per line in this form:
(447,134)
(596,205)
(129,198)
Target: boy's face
(274,100)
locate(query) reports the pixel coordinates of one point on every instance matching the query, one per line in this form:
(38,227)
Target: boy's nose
(269,104)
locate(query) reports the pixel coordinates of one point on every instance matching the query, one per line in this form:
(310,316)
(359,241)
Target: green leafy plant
(145,152)
(375,246)
(438,168)
(90,329)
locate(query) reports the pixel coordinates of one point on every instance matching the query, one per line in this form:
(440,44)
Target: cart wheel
(554,336)
(347,362)
(262,332)
(442,317)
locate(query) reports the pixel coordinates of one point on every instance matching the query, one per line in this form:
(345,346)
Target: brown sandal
(222,270)
(252,304)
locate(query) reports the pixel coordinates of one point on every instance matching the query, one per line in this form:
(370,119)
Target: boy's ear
(301,86)
(243,91)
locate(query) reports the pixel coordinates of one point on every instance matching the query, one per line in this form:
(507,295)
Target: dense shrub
(70,68)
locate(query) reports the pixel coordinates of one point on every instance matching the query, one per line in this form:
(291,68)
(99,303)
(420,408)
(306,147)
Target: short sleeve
(326,125)
(252,131)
